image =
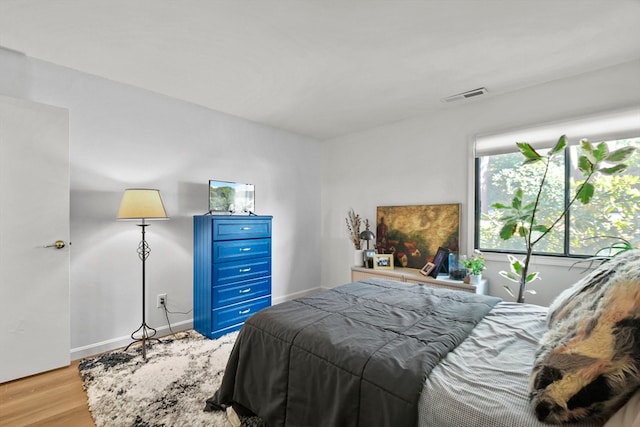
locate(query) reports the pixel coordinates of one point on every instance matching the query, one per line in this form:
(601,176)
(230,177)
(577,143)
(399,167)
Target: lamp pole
(142,204)
(146,332)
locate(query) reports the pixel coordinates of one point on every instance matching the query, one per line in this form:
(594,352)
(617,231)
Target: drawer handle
(245,249)
(244,311)
(244,291)
(245,228)
(245,270)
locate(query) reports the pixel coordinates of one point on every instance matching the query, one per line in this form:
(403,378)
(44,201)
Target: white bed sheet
(484,382)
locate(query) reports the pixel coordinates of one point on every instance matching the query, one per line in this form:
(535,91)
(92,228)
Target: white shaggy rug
(168,389)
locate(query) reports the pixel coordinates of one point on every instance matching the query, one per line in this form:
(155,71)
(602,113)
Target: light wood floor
(54,398)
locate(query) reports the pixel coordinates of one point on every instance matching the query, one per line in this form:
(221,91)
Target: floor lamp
(142,204)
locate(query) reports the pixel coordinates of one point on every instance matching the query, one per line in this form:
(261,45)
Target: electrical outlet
(162,300)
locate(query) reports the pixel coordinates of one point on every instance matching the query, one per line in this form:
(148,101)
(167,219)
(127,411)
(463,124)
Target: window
(614,210)
(612,214)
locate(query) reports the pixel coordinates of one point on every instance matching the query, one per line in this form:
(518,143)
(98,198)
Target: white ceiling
(325,68)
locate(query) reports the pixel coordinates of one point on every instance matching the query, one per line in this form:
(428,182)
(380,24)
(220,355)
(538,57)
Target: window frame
(607,126)
(566,239)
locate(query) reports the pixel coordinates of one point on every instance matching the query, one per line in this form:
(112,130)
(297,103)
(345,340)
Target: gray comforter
(356,355)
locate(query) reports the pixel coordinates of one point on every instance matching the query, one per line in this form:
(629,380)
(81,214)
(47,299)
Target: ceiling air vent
(466,95)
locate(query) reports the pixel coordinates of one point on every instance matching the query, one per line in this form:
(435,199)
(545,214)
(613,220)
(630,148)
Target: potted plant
(519,217)
(602,255)
(474,265)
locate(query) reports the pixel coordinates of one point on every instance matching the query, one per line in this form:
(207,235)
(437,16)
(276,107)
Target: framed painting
(414,233)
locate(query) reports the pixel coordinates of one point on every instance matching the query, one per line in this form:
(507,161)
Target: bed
(383,353)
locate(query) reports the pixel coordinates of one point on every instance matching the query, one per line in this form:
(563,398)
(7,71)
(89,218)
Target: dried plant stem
(353,225)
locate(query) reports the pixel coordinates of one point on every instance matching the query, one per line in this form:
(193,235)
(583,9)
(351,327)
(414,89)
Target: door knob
(58,244)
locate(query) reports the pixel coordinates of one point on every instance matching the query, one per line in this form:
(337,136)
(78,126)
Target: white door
(34,212)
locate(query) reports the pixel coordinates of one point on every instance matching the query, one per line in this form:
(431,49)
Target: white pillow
(628,415)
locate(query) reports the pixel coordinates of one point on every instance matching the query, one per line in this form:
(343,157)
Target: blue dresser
(231,271)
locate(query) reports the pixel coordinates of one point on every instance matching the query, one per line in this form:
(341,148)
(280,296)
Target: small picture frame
(383,261)
(438,260)
(428,268)
(368,257)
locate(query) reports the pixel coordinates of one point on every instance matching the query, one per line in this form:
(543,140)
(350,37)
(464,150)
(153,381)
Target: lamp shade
(141,203)
(367,235)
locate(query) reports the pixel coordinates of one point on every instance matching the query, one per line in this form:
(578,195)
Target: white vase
(358,257)
(475,279)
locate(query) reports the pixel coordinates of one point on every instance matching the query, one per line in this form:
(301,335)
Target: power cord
(167,312)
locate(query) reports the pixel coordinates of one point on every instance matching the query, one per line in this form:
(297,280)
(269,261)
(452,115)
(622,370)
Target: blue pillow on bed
(588,362)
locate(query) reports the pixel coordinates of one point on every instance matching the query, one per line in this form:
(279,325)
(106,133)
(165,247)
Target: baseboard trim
(120,342)
(294,295)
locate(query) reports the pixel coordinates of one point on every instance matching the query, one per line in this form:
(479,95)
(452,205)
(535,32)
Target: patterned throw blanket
(588,363)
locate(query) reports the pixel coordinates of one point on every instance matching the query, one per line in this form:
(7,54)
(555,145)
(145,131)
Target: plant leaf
(562,142)
(528,152)
(585,192)
(526,213)
(587,150)
(499,205)
(512,216)
(533,276)
(585,165)
(516,265)
(531,291)
(540,228)
(508,230)
(513,260)
(509,276)
(613,170)
(601,151)
(523,231)
(509,291)
(620,155)
(516,203)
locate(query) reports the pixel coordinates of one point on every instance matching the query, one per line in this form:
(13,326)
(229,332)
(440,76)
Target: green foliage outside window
(612,214)
(614,211)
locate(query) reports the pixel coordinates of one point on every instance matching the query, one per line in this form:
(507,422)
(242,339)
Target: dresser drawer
(231,270)
(236,271)
(226,229)
(234,250)
(242,291)
(238,313)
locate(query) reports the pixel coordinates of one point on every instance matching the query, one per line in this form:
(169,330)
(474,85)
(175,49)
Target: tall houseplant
(519,218)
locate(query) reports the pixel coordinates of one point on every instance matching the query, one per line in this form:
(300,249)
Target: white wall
(427,160)
(123,137)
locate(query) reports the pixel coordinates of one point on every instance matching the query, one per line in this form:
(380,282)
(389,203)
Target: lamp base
(146,333)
